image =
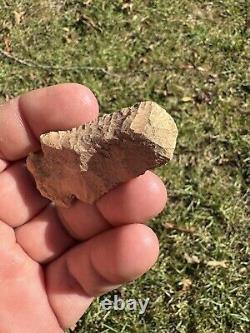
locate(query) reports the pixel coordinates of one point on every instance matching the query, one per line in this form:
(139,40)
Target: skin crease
(53,262)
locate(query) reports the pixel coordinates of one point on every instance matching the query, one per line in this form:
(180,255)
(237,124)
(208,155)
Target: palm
(53,261)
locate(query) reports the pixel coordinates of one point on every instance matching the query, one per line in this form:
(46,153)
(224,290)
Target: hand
(54,261)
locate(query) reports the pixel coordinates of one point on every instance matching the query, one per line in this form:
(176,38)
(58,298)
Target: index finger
(25,118)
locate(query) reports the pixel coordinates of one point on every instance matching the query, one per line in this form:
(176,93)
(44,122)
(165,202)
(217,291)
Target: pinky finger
(100,265)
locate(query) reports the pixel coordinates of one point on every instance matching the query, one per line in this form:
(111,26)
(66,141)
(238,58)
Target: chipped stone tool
(90,160)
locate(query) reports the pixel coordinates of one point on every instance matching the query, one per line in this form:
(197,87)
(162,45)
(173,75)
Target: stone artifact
(90,160)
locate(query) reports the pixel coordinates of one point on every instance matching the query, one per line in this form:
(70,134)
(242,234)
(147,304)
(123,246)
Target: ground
(192,57)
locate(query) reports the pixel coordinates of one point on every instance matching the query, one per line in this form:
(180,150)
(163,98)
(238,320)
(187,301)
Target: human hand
(54,261)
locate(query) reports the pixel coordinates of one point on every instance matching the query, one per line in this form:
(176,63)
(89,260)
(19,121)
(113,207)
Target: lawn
(192,57)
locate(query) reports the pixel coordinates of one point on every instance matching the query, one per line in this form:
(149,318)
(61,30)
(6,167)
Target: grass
(192,57)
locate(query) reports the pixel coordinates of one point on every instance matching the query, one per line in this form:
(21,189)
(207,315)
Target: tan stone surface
(90,160)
